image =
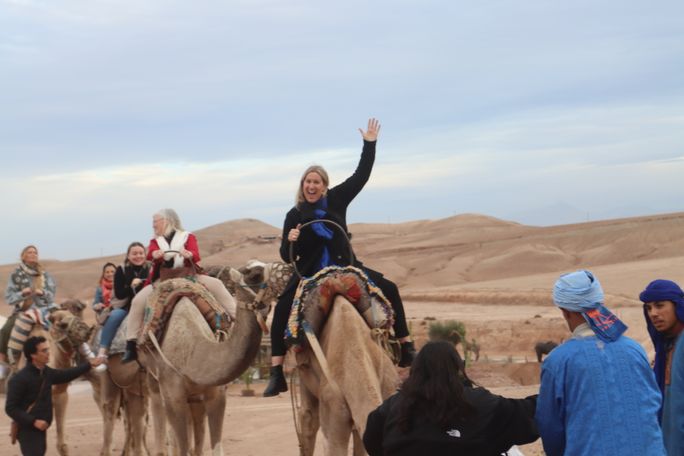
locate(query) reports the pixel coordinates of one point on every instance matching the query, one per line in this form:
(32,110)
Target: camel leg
(336,422)
(158,417)
(177,411)
(60,399)
(308,421)
(197,412)
(110,401)
(359,449)
(136,411)
(215,402)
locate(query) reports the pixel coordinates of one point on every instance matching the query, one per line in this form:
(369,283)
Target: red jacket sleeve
(192,246)
(153,247)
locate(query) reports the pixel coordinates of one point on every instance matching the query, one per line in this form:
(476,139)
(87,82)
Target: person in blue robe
(664,312)
(598,395)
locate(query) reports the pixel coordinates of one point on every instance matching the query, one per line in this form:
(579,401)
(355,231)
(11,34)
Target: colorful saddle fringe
(315,295)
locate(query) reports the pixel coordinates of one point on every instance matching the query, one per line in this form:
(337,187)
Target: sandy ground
(253,426)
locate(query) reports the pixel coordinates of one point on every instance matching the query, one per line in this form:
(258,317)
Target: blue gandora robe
(673,404)
(598,398)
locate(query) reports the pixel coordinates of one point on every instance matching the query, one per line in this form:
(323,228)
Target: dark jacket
(24,387)
(123,277)
(499,424)
(309,246)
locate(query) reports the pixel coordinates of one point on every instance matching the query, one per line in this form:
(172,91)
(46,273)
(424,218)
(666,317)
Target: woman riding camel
(320,246)
(29,287)
(103,292)
(129,279)
(172,248)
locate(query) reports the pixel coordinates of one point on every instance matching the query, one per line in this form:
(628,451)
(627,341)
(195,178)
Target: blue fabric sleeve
(49,290)
(549,415)
(98,296)
(13,292)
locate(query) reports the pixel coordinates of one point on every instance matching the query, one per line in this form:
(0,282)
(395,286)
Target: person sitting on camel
(30,286)
(103,292)
(129,279)
(320,245)
(172,248)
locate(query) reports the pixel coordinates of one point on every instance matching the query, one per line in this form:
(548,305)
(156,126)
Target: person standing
(664,312)
(439,411)
(29,394)
(598,395)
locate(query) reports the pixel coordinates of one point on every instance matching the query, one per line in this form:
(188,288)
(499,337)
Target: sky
(533,111)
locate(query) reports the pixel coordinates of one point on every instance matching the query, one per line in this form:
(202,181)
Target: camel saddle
(315,295)
(167,294)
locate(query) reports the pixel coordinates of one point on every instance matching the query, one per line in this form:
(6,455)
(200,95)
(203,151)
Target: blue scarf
(581,292)
(662,290)
(322,231)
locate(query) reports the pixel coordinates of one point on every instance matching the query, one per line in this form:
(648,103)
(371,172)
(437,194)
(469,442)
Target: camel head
(65,326)
(74,306)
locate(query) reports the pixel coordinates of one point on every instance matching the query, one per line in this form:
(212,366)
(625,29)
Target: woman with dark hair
(439,411)
(128,281)
(103,292)
(320,245)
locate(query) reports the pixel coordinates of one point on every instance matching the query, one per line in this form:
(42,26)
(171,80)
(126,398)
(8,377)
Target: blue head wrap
(581,292)
(662,290)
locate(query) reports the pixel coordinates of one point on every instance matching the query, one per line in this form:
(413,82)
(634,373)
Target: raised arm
(351,187)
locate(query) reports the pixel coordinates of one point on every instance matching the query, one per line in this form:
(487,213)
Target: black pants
(32,441)
(281,313)
(6,332)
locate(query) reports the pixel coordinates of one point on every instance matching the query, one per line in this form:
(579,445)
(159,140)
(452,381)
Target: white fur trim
(177,243)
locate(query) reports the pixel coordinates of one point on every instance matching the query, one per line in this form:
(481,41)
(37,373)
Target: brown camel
(192,368)
(361,377)
(124,387)
(67,333)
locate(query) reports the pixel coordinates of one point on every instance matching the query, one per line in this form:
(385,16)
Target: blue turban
(662,290)
(581,292)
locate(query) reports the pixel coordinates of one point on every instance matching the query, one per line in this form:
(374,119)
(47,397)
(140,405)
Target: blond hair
(318,169)
(173,222)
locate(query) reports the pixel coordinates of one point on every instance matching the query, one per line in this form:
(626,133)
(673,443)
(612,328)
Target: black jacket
(25,386)
(309,246)
(499,424)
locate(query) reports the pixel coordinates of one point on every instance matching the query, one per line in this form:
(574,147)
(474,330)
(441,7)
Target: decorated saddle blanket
(315,296)
(23,326)
(163,300)
(119,342)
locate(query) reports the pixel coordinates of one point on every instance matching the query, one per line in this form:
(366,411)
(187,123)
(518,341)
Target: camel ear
(62,324)
(80,305)
(255,275)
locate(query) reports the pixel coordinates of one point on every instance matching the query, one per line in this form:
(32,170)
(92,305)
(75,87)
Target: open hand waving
(373,129)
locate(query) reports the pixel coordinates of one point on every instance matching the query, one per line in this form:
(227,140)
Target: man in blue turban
(598,395)
(664,312)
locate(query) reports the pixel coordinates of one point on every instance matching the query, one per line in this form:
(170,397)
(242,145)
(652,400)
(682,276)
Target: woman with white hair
(171,248)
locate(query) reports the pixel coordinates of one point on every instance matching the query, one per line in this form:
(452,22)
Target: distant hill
(462,253)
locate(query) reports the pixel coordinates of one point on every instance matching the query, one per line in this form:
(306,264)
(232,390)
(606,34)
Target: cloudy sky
(534,111)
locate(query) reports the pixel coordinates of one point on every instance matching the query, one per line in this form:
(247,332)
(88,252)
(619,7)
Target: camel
(67,332)
(361,377)
(124,387)
(544,348)
(192,383)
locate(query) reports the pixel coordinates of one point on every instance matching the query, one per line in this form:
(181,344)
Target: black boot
(408,354)
(277,383)
(131,352)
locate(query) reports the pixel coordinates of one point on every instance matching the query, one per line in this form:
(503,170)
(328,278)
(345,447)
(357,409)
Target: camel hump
(165,297)
(315,296)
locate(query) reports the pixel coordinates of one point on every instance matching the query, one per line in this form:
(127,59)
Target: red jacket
(190,244)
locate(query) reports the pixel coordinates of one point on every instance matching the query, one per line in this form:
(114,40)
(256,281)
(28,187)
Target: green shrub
(451,330)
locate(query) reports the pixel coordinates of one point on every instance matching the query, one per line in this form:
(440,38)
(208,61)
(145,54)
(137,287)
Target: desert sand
(493,275)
